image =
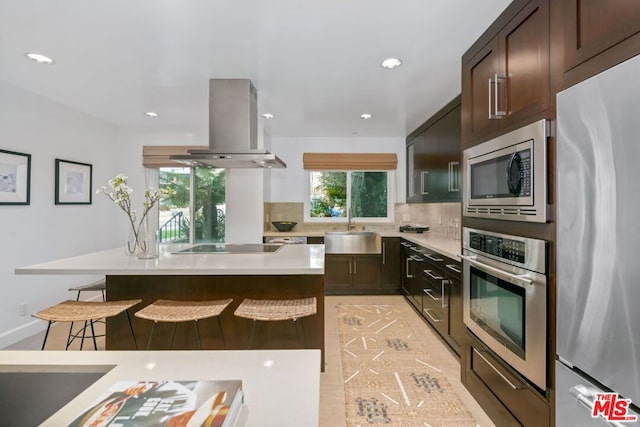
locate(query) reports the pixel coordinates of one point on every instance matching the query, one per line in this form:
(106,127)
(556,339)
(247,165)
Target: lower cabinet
(390,274)
(432,283)
(315,240)
(505,396)
(345,274)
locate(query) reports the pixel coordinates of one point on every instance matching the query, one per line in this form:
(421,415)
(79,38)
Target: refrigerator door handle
(586,397)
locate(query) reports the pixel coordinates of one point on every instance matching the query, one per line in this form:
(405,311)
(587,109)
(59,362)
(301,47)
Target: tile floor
(332,404)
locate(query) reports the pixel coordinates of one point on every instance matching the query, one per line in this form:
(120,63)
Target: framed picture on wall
(73,183)
(15,178)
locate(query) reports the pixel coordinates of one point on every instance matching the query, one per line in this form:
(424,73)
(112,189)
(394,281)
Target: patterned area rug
(390,377)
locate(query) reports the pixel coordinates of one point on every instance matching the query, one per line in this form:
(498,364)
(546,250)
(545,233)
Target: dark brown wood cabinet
(390,273)
(315,240)
(433,157)
(598,35)
(506,74)
(456,323)
(504,395)
(346,274)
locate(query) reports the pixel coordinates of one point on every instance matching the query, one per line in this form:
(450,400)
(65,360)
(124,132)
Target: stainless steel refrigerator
(598,248)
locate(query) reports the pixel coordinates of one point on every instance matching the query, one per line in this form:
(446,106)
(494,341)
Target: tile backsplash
(442,218)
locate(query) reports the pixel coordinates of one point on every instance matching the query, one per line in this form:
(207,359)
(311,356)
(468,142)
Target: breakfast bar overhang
(293,271)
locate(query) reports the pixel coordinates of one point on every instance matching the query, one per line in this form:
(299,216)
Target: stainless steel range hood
(233,129)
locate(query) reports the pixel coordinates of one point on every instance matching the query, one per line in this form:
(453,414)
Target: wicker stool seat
(87,312)
(276,310)
(97,286)
(183,311)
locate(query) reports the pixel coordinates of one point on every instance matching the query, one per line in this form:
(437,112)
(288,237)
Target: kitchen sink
(352,242)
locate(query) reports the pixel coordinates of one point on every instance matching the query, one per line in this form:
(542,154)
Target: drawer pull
(512,385)
(406,270)
(430,273)
(454,268)
(433,258)
(429,292)
(426,311)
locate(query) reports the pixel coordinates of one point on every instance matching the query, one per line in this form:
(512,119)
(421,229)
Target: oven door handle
(504,275)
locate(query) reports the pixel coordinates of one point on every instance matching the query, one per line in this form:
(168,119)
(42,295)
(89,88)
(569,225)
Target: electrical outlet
(23,309)
(440,220)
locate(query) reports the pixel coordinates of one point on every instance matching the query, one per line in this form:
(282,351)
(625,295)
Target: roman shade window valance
(350,161)
(159,156)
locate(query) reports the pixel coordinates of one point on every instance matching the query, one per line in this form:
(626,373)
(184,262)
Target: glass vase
(147,241)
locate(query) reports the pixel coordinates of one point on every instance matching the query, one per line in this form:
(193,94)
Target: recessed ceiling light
(40,59)
(365,116)
(151,114)
(391,63)
(268,116)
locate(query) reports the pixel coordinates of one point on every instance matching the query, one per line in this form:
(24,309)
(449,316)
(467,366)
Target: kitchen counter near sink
(295,271)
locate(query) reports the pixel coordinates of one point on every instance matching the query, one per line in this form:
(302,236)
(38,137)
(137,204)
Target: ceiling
(315,63)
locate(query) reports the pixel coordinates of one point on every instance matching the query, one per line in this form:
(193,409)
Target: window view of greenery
(333,193)
(207,207)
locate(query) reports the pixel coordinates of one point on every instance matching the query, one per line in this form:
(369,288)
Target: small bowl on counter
(284,226)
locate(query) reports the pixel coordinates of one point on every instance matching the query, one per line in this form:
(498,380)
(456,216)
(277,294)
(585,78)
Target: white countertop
(282,387)
(291,259)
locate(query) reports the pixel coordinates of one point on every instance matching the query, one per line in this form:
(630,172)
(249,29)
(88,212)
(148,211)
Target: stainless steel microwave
(506,177)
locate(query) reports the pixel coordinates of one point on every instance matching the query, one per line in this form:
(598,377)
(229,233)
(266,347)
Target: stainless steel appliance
(506,177)
(598,274)
(233,129)
(505,298)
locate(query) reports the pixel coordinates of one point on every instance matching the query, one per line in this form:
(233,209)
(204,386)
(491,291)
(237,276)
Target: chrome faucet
(350,225)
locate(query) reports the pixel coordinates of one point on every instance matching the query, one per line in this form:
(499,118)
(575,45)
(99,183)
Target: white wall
(43,231)
(289,185)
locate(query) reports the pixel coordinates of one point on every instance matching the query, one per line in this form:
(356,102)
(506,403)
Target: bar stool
(276,310)
(171,311)
(98,285)
(87,312)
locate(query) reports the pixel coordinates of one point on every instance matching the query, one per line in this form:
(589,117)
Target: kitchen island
(294,271)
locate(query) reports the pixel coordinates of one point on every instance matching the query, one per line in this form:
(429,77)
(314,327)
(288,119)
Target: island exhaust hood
(233,129)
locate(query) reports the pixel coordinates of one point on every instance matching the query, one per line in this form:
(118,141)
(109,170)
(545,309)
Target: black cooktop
(232,248)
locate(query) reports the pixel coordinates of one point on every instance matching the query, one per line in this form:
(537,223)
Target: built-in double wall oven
(505,298)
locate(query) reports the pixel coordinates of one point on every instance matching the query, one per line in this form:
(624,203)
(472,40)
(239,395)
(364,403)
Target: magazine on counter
(166,403)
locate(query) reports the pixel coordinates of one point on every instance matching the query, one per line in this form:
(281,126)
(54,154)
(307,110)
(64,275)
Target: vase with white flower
(143,241)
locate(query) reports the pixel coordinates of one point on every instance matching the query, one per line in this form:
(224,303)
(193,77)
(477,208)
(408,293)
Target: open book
(166,403)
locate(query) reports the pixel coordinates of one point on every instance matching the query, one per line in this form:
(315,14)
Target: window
(333,193)
(196,212)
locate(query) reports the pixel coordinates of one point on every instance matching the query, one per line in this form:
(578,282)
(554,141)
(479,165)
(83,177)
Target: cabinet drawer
(523,402)
(435,314)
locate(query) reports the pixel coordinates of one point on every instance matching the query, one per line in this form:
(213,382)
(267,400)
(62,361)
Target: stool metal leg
(135,344)
(153,325)
(224,343)
(93,335)
(173,335)
(46,334)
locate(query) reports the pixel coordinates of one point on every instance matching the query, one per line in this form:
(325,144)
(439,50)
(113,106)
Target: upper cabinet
(598,35)
(505,75)
(433,158)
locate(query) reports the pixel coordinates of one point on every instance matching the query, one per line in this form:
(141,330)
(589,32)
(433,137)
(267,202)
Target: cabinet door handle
(384,250)
(495,81)
(409,276)
(512,385)
(355,267)
(427,310)
(349,267)
(453,267)
(429,292)
(433,258)
(424,176)
(443,292)
(433,276)
(454,183)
